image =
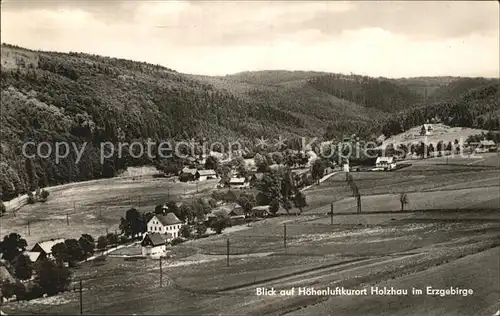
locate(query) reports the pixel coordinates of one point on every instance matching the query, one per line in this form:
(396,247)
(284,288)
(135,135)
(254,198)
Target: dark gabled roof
(169,219)
(155,239)
(237,212)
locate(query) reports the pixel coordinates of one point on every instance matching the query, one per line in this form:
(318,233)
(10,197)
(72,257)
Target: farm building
(238,183)
(154,244)
(260,211)
(488,146)
(46,247)
(188,174)
(207,174)
(165,224)
(385,163)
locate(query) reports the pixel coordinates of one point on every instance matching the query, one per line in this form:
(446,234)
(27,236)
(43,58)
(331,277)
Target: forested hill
(81,98)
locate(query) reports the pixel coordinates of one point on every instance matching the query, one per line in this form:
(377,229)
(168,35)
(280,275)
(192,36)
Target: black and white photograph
(220,158)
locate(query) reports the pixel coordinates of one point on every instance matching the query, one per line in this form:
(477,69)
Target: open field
(440,133)
(317,255)
(478,272)
(95,207)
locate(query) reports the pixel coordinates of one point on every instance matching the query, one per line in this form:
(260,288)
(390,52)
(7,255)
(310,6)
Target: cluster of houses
(162,229)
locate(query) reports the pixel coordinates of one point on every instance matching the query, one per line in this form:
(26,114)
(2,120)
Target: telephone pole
(284,236)
(228,252)
(81,298)
(161,273)
(28,228)
(331,214)
(67,219)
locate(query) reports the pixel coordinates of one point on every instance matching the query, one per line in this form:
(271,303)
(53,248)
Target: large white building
(165,224)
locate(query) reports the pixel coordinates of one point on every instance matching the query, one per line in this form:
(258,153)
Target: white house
(165,224)
(486,146)
(154,244)
(207,174)
(239,183)
(385,163)
(46,247)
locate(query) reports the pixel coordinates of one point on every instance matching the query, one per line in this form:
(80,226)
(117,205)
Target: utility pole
(74,206)
(28,228)
(81,298)
(284,236)
(100,211)
(331,214)
(228,252)
(161,273)
(67,219)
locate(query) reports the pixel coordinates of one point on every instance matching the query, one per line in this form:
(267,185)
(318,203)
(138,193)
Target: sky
(389,39)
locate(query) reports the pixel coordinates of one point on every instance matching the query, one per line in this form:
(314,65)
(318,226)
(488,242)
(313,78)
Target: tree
(246,201)
(318,169)
(131,225)
(185,231)
(220,222)
(274,206)
(12,246)
(86,242)
(9,289)
(201,229)
(51,278)
(102,242)
(287,205)
(211,163)
(3,209)
(186,212)
(61,253)
(270,186)
(403,199)
(112,239)
(300,200)
(23,268)
(75,252)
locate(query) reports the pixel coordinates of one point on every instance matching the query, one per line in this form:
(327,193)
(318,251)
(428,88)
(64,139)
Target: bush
(185,231)
(176,241)
(3,209)
(11,289)
(31,198)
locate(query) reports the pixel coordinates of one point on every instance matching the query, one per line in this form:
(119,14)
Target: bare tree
(403,199)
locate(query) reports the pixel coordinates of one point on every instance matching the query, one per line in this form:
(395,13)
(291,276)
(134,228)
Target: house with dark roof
(165,224)
(256,178)
(188,174)
(154,244)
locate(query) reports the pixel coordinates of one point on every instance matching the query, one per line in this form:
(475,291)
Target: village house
(234,211)
(260,211)
(256,178)
(165,224)
(385,163)
(154,244)
(426,130)
(488,146)
(238,183)
(188,174)
(207,174)
(45,247)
